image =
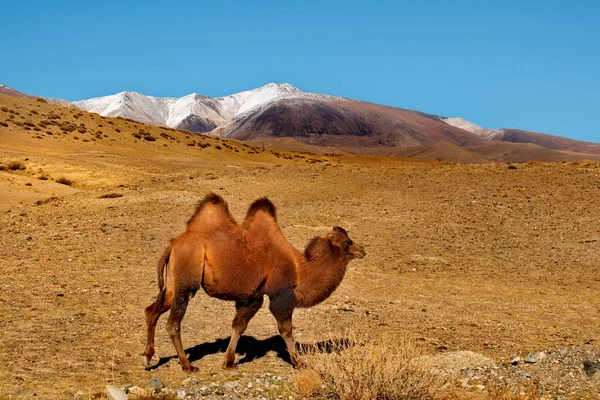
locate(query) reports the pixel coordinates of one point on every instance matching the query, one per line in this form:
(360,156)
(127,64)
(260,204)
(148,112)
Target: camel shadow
(253,348)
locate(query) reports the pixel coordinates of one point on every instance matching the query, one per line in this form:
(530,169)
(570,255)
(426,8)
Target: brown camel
(242,263)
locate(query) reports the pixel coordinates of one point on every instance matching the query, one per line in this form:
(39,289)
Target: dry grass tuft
(362,367)
(16,166)
(110,196)
(64,181)
(307,381)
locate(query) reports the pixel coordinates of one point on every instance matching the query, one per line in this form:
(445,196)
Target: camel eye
(348,243)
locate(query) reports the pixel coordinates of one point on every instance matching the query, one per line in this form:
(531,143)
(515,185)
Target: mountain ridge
(201,113)
(283,110)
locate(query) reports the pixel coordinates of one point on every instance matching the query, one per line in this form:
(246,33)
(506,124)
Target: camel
(243,263)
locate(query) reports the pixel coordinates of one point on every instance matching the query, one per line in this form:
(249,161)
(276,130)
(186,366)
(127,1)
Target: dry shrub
(16,166)
(45,201)
(110,196)
(307,381)
(362,367)
(64,181)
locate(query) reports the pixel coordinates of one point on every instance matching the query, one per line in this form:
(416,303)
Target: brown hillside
(8,91)
(346,124)
(439,151)
(523,152)
(548,141)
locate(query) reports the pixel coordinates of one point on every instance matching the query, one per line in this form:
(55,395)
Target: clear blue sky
(532,65)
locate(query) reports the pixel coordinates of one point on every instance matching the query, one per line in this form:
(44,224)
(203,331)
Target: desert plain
(501,260)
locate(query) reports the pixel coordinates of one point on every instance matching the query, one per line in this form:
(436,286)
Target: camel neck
(319,274)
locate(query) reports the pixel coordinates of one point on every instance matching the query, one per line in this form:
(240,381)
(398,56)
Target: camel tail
(162,264)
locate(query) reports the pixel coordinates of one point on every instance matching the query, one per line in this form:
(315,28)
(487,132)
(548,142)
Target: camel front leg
(282,307)
(243,314)
(286,332)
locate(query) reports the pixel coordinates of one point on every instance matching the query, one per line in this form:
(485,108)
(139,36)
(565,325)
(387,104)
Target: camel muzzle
(359,252)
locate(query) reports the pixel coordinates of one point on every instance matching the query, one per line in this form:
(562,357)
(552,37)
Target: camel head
(338,237)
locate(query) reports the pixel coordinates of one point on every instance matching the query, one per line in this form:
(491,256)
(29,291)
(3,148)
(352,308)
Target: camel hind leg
(244,312)
(180,303)
(153,312)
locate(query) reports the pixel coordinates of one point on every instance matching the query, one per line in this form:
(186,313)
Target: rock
(231,385)
(219,391)
(205,391)
(114,393)
(181,394)
(589,367)
(563,352)
(25,393)
(136,391)
(192,380)
(515,361)
(512,167)
(156,384)
(534,357)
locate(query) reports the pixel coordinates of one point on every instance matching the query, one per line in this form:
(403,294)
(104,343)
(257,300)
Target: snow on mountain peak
(173,111)
(471,127)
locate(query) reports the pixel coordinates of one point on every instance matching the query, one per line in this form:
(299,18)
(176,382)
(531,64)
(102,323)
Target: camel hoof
(191,369)
(227,365)
(145,362)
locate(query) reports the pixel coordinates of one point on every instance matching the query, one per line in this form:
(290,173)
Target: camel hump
(210,199)
(262,204)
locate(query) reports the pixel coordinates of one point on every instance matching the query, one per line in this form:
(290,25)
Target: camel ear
(333,238)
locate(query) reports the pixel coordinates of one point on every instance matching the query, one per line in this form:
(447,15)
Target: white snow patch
(173,111)
(471,127)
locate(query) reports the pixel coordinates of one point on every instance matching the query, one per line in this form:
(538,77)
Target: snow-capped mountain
(11,92)
(193,112)
(471,127)
(282,110)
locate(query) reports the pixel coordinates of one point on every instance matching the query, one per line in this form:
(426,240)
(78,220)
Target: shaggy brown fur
(242,263)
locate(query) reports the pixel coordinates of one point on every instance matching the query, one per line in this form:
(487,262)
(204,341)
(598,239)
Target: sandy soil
(484,258)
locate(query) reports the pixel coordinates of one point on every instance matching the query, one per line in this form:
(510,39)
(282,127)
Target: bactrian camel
(243,263)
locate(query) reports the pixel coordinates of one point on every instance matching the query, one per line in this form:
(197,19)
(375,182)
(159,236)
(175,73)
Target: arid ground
(485,258)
